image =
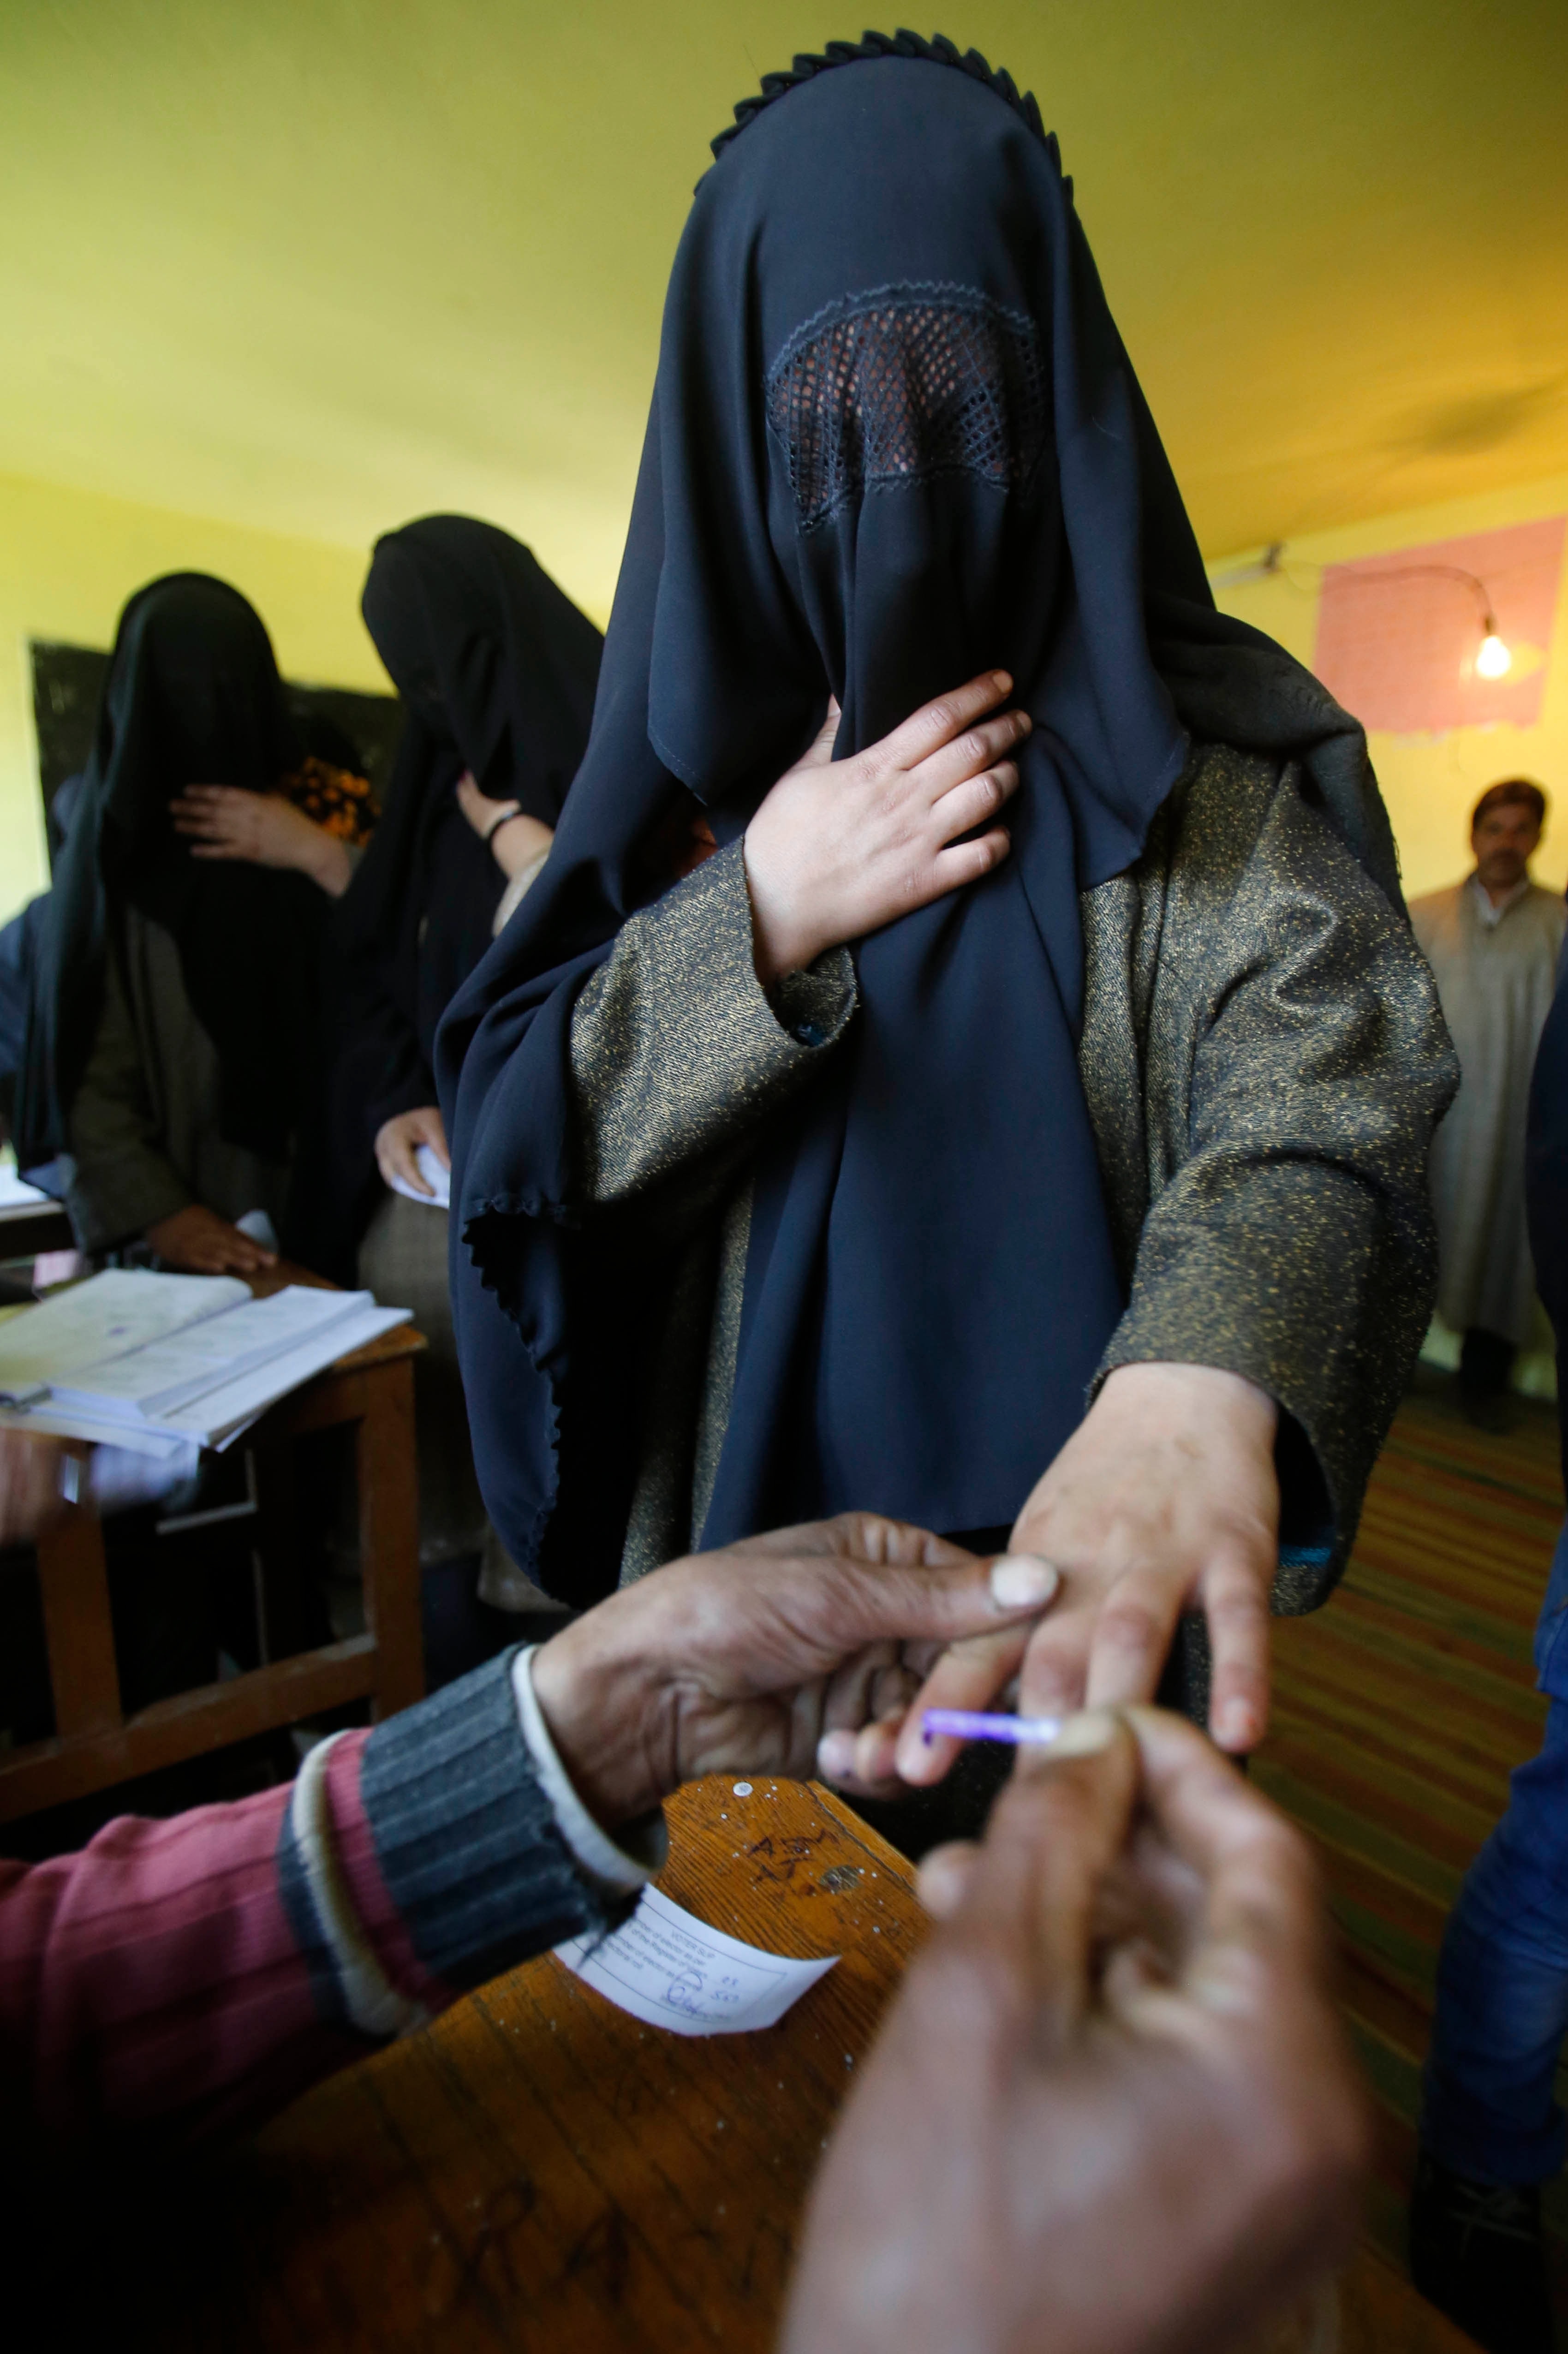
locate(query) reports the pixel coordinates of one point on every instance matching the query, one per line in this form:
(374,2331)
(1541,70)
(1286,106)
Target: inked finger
(969,1674)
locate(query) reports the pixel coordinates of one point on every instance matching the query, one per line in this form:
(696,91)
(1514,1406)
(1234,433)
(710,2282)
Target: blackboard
(68,680)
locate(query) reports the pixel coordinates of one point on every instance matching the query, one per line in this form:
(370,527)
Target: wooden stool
(96,1745)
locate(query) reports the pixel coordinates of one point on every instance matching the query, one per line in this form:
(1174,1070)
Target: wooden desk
(96,1745)
(27,1228)
(542,2173)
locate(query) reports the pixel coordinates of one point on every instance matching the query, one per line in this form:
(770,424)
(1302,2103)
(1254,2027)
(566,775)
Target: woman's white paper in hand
(437,1178)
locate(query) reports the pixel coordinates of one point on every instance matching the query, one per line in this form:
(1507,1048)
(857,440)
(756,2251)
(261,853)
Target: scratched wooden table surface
(542,2171)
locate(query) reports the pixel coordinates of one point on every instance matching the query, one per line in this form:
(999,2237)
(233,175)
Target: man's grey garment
(1496,973)
(145,1139)
(1263,1059)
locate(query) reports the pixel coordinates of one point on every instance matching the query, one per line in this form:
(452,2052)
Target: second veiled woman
(496,669)
(172,1049)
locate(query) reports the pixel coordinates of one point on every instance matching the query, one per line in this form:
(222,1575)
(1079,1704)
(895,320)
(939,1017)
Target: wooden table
(95,1745)
(27,1228)
(542,2173)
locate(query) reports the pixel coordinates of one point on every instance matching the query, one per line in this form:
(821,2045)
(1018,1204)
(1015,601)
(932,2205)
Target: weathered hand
(1164,1500)
(1111,2111)
(262,830)
(839,848)
(199,1242)
(758,1658)
(397,1141)
(516,841)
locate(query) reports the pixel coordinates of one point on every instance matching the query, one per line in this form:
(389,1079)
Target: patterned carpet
(1400,1709)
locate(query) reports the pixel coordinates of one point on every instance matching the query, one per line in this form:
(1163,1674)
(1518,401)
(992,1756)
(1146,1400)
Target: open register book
(161,1363)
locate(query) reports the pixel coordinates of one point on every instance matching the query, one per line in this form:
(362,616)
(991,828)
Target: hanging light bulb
(1493,659)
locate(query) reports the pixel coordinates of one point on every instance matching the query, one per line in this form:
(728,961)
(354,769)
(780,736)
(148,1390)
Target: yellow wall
(1431,783)
(69,560)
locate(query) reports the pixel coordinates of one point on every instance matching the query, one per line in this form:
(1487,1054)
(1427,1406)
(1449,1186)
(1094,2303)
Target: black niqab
(496,668)
(192,696)
(894,440)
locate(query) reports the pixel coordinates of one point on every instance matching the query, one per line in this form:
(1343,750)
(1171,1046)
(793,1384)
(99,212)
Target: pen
(969,1724)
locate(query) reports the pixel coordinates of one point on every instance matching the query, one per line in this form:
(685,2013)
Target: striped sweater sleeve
(194,1975)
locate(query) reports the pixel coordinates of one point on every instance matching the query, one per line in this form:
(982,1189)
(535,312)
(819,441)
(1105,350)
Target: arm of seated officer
(1111,2111)
(273,1940)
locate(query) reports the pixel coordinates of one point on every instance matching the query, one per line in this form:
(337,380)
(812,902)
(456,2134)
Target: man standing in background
(1492,942)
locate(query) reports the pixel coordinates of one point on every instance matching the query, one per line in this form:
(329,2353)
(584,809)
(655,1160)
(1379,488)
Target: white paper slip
(124,1309)
(438,1179)
(671,1970)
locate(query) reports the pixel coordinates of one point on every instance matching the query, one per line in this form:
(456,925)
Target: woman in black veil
(496,669)
(851,1169)
(170,1061)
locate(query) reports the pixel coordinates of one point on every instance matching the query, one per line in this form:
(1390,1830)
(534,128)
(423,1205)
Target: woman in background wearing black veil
(172,1044)
(496,669)
(851,1169)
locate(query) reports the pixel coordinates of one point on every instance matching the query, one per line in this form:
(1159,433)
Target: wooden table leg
(389,1535)
(73,1581)
(276,1551)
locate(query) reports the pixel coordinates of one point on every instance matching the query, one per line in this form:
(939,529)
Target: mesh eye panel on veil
(904,383)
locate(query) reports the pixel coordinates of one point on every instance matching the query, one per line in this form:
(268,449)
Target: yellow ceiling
(319,265)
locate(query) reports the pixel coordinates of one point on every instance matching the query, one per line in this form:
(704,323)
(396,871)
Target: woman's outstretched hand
(1164,1500)
(262,830)
(839,848)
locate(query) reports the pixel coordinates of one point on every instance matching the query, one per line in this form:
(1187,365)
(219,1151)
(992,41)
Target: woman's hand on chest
(841,847)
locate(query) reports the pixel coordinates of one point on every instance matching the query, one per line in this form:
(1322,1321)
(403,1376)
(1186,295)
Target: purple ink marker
(969,1724)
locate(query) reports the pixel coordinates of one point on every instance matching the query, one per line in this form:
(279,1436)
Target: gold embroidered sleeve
(676,1051)
(1295,1064)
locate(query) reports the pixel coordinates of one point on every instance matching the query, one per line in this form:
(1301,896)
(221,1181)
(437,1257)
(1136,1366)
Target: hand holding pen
(1111,2107)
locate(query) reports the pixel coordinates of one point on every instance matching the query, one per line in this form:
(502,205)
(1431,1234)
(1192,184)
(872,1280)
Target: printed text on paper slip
(669,1969)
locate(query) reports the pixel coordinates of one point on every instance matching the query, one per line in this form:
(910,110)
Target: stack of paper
(15,1193)
(157,1362)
